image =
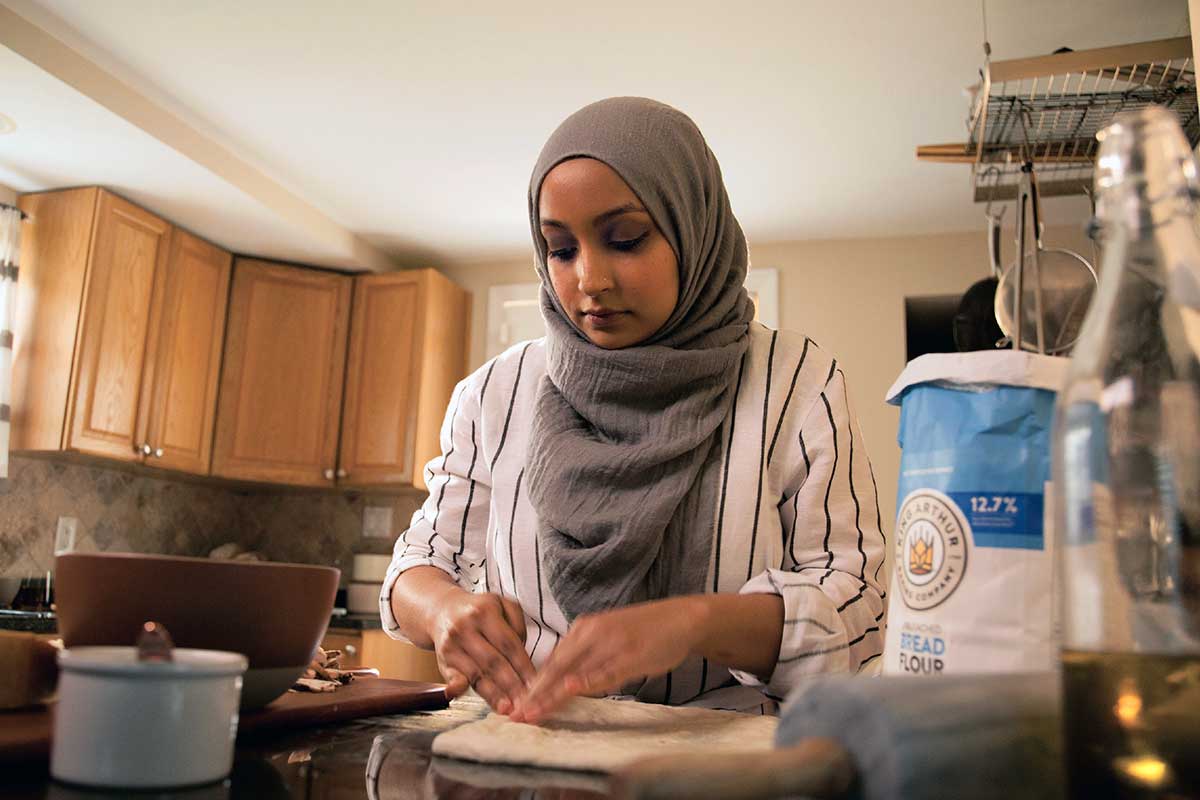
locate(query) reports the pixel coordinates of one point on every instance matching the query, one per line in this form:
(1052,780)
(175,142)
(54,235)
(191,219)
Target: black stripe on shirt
(796,502)
(407,544)
(867,660)
(537,563)
(762,455)
(512,520)
(437,512)
(832,370)
(812,653)
(852,600)
(536,641)
(862,573)
(725,479)
(511,402)
(878,519)
(863,635)
(787,400)
(486,380)
(810,621)
(829,489)
(462,534)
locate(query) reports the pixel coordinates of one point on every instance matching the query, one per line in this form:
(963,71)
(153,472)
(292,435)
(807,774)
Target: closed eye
(562,254)
(627,245)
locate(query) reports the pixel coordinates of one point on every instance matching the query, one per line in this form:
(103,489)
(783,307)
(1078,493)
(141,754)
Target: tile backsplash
(121,510)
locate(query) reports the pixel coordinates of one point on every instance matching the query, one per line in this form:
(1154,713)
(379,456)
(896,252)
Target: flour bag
(972,571)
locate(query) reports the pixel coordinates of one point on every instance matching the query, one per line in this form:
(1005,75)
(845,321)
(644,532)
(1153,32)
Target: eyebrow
(628,208)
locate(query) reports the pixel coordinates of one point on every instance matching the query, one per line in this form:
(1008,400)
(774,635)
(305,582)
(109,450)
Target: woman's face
(613,271)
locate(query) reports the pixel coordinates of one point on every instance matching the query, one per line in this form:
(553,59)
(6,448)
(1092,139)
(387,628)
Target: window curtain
(10,249)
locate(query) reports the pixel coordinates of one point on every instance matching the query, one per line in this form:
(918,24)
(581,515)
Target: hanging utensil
(995,223)
(1047,290)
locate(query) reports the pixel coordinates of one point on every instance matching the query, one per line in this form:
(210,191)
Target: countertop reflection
(380,758)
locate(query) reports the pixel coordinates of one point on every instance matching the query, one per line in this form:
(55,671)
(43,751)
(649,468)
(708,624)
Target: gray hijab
(624,455)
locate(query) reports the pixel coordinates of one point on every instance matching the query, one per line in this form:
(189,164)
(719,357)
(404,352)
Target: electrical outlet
(377,522)
(64,536)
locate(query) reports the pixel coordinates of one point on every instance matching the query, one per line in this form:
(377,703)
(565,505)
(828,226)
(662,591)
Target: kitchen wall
(848,296)
(123,510)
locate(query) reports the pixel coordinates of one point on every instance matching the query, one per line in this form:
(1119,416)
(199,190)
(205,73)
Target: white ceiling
(416,126)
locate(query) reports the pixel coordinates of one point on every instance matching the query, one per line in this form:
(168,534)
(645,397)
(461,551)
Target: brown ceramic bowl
(274,614)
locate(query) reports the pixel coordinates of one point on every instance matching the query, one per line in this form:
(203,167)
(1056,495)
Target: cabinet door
(189,321)
(129,246)
(281,384)
(379,417)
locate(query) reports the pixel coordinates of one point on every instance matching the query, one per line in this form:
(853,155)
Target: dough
(600,735)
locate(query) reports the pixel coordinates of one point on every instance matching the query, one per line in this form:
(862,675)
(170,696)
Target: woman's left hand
(603,652)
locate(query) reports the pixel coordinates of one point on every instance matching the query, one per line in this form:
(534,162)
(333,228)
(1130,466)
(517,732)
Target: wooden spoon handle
(815,768)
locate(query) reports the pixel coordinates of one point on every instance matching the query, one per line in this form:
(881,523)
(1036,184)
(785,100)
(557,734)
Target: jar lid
(123,661)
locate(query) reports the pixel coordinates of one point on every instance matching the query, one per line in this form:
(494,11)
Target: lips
(602,318)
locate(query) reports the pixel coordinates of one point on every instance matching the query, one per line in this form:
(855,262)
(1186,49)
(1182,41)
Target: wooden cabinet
(408,343)
(121,350)
(179,403)
(375,649)
(129,247)
(118,331)
(281,384)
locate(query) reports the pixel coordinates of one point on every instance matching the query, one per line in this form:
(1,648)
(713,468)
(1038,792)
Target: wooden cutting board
(25,735)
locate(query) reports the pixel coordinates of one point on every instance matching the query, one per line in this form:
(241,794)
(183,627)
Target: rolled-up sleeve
(829,575)
(448,531)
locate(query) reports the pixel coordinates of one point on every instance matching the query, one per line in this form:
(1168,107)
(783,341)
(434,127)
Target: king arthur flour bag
(971,585)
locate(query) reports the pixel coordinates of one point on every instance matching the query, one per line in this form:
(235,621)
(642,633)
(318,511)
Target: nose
(593,272)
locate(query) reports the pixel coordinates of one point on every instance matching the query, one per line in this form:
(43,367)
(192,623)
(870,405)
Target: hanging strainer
(1056,289)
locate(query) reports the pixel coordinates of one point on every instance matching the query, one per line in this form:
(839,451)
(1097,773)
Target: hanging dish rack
(1047,111)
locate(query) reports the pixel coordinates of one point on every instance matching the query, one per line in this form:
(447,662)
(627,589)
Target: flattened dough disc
(598,735)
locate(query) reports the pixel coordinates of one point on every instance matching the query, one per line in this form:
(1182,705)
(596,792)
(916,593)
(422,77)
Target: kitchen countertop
(358,622)
(28,621)
(376,758)
(44,622)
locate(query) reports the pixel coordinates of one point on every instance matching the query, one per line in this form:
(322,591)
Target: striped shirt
(796,514)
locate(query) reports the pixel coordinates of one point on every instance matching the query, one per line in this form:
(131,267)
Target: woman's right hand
(479,640)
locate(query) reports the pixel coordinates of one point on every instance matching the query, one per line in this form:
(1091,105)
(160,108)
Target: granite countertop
(28,621)
(45,622)
(377,758)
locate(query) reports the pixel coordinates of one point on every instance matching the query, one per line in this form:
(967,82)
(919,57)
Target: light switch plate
(64,536)
(377,522)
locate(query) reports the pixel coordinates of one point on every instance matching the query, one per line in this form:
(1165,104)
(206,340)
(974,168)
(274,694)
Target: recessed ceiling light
(6,125)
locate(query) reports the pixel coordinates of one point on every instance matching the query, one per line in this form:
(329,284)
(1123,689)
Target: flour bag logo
(931,548)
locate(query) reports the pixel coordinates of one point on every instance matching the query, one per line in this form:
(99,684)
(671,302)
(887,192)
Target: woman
(662,497)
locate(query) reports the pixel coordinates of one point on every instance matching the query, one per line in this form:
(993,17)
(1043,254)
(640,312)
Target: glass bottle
(1127,480)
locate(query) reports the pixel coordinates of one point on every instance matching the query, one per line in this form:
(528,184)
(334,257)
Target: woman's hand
(479,640)
(603,652)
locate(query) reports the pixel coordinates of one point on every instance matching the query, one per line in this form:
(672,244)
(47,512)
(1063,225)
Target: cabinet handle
(341,473)
(328,474)
(158,453)
(350,650)
(146,449)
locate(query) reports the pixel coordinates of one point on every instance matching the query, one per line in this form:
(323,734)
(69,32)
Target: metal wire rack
(1049,109)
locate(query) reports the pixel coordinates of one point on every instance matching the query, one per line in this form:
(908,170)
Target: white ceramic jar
(125,723)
